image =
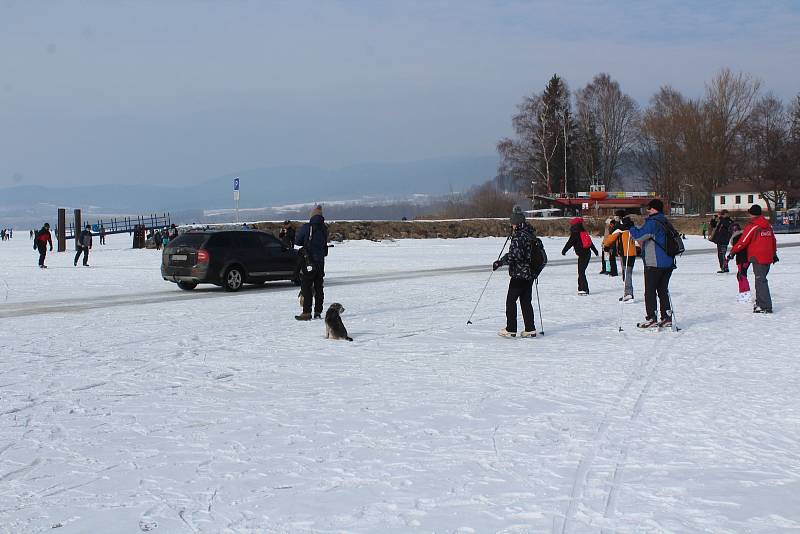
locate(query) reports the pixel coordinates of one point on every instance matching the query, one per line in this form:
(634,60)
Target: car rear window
(188,240)
(220,241)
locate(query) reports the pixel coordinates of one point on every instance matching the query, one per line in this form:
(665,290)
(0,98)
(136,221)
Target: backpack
(538,257)
(673,245)
(586,240)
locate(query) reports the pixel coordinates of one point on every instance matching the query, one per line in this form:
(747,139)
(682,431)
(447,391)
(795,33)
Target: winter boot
(528,333)
(506,333)
(743,297)
(647,323)
(626,298)
(305,316)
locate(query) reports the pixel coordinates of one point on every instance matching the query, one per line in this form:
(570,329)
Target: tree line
(681,147)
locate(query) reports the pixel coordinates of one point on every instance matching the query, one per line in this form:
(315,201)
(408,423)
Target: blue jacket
(314,236)
(653,238)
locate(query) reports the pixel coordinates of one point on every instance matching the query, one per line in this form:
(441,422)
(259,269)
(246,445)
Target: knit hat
(317,210)
(517,217)
(620,213)
(576,220)
(755,209)
(656,204)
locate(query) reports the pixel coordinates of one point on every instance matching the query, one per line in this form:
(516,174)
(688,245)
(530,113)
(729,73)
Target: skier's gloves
(496,265)
(775,259)
(729,257)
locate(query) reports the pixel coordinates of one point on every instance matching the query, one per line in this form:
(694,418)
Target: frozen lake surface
(127,405)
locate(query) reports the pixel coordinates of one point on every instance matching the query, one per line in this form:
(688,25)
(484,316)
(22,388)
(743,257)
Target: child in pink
(742,264)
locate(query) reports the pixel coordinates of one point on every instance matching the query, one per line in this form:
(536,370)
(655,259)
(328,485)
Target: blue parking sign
(235,184)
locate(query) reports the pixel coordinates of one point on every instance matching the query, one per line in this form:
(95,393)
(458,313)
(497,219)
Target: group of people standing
(754,245)
(6,234)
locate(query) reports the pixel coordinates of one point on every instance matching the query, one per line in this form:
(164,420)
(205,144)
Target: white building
(737,196)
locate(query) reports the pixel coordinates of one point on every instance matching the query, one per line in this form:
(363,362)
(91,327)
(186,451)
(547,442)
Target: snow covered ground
(127,405)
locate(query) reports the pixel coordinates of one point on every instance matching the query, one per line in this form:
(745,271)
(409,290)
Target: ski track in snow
(129,406)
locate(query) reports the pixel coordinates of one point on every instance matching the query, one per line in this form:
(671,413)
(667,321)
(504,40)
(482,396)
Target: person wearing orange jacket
(759,241)
(626,247)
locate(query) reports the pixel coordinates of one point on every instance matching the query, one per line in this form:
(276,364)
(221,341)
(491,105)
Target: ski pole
(672,312)
(539,305)
(469,321)
(625,274)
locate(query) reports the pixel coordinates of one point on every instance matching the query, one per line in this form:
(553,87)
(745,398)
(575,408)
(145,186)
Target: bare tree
(661,144)
(612,114)
(768,147)
(531,154)
(728,103)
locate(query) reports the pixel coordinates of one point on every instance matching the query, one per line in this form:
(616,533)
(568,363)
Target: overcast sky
(113,91)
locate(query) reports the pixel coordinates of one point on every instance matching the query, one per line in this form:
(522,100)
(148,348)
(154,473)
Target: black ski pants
(583,263)
(311,286)
(612,260)
(522,290)
(42,248)
(82,250)
(722,251)
(656,283)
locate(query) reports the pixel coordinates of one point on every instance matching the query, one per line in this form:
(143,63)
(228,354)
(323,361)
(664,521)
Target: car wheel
(233,279)
(187,286)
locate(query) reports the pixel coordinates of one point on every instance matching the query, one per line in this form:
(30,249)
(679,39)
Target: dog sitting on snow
(334,327)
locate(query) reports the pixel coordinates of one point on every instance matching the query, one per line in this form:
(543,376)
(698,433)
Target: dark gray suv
(227,258)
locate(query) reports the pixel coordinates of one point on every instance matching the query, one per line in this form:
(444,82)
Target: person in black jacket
(40,242)
(581,242)
(82,244)
(313,238)
(520,287)
(286,234)
(722,236)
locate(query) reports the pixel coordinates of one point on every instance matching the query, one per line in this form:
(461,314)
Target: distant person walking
(704,228)
(43,238)
(286,235)
(611,225)
(520,286)
(83,244)
(759,241)
(32,232)
(580,241)
(313,238)
(102,235)
(658,265)
(722,236)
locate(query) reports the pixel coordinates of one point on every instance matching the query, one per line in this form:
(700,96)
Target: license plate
(179,257)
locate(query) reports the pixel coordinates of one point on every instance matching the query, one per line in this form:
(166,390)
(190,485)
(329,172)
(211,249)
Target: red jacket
(759,240)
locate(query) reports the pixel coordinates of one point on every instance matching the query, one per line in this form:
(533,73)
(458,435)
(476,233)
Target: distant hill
(262,187)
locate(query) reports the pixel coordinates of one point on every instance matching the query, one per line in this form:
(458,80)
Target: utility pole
(236,196)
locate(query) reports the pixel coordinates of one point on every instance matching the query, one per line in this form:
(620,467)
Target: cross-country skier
(658,265)
(520,287)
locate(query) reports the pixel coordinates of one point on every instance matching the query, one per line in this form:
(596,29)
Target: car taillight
(203,256)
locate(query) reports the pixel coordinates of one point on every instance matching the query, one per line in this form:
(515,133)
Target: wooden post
(78,225)
(61,235)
